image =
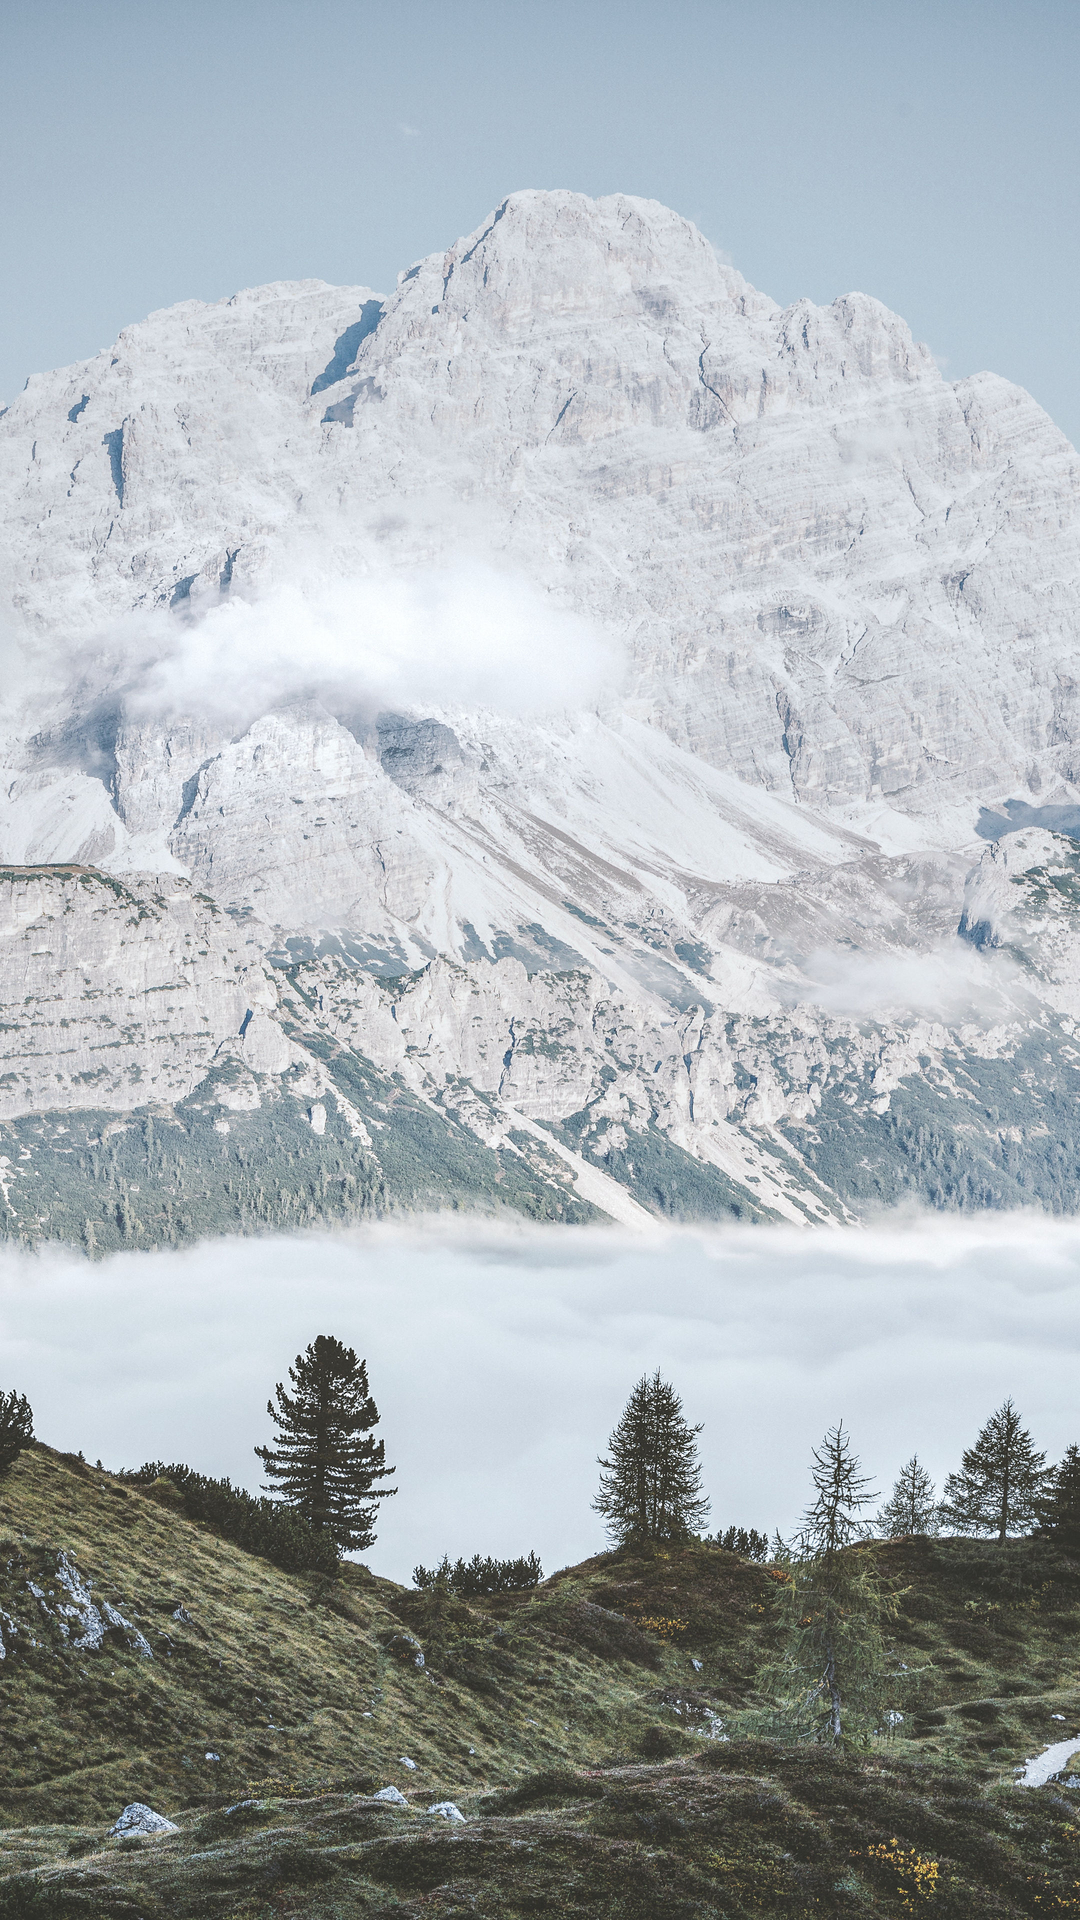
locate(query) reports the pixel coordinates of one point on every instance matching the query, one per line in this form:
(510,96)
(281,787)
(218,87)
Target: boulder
(138,1818)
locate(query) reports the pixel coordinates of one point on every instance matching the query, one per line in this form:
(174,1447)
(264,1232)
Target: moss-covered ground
(596,1734)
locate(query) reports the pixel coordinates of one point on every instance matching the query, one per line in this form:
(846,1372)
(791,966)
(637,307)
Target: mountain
(569,734)
(589,1731)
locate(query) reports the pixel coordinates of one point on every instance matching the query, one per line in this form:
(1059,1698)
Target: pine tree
(1059,1508)
(650,1489)
(16,1427)
(1000,1481)
(912,1506)
(832,1674)
(325,1463)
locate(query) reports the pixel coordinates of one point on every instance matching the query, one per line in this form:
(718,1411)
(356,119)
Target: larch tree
(1059,1507)
(16,1427)
(650,1488)
(912,1506)
(1000,1482)
(832,1674)
(325,1463)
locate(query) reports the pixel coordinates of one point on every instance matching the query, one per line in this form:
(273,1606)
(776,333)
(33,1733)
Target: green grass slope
(594,1733)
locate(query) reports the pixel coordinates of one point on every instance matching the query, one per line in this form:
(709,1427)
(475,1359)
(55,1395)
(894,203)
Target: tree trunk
(834,1693)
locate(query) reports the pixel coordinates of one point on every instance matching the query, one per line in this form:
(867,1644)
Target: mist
(468,636)
(500,1356)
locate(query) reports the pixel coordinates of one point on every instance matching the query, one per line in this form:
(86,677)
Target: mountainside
(536,739)
(592,1732)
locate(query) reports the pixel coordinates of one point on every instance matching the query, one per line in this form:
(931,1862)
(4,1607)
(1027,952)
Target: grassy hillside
(595,1733)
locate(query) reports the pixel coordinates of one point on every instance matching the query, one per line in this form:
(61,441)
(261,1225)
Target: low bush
(250,1521)
(480,1575)
(747,1541)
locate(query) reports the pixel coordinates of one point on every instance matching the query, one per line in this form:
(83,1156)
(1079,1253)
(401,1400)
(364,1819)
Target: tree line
(324,1474)
(650,1487)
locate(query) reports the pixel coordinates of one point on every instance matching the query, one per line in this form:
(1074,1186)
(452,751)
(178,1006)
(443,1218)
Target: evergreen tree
(1059,1508)
(1000,1481)
(912,1506)
(650,1489)
(840,1487)
(325,1463)
(832,1674)
(16,1427)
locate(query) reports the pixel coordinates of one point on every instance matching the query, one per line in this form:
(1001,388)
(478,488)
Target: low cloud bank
(501,1357)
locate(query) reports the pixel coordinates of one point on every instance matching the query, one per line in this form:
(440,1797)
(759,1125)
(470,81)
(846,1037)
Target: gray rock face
(533,728)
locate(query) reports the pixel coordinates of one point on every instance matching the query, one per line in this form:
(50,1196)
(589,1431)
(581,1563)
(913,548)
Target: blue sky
(925,153)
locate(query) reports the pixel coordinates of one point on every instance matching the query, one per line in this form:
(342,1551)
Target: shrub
(250,1521)
(479,1575)
(751,1544)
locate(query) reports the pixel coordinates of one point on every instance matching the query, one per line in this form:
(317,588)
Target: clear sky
(925,153)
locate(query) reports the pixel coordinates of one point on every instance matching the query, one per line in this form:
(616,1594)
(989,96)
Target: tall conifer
(650,1489)
(1000,1482)
(831,1676)
(325,1463)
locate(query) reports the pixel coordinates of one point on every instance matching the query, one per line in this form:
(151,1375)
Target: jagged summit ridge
(827,562)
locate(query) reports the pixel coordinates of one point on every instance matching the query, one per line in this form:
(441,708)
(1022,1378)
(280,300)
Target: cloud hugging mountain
(525,740)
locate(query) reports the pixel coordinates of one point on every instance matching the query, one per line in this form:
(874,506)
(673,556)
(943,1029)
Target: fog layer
(500,1356)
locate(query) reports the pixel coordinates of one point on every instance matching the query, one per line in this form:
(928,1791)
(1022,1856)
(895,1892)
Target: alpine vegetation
(16,1427)
(831,1676)
(325,1463)
(1059,1507)
(1000,1481)
(258,1525)
(481,1575)
(912,1506)
(650,1489)
(745,1540)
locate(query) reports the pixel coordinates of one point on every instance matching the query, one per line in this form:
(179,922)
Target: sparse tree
(832,1675)
(326,1463)
(1000,1482)
(650,1489)
(840,1489)
(912,1505)
(16,1427)
(1059,1508)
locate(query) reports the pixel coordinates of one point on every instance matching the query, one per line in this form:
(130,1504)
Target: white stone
(138,1818)
(447,1810)
(393,1794)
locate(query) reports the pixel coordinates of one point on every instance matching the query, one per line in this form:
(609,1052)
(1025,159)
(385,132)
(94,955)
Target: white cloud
(953,982)
(468,636)
(500,1356)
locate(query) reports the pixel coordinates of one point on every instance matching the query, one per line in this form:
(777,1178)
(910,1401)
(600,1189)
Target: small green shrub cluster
(481,1575)
(252,1522)
(747,1541)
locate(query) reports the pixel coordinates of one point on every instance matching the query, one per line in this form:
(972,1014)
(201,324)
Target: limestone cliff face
(544,712)
(118,999)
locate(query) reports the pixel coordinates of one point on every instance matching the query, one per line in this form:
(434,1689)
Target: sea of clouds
(501,1355)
